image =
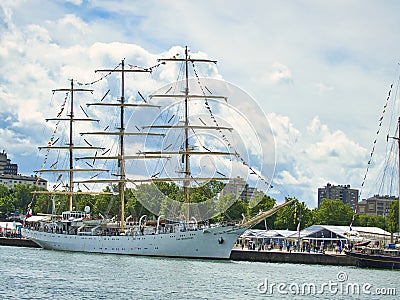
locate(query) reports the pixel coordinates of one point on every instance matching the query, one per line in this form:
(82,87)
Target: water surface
(28,273)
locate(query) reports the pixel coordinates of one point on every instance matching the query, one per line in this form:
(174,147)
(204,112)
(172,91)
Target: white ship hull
(216,243)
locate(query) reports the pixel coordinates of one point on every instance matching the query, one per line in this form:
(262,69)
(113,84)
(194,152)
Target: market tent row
(372,233)
(339,235)
(316,235)
(266,237)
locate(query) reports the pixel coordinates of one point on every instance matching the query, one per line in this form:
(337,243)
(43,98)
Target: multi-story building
(376,205)
(6,167)
(9,174)
(342,192)
(11,180)
(239,187)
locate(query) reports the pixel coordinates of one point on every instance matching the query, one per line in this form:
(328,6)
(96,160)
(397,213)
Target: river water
(29,273)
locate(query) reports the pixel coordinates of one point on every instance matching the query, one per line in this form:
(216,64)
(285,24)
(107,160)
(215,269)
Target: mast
(398,144)
(398,163)
(120,133)
(186,150)
(71,144)
(186,155)
(121,161)
(71,140)
(70,147)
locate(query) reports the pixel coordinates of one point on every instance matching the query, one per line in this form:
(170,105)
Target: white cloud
(311,67)
(310,160)
(75,2)
(323,88)
(333,145)
(280,74)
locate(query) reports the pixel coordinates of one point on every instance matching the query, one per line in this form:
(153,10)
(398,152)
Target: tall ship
(180,227)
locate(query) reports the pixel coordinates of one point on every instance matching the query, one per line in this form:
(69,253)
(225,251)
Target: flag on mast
(112,189)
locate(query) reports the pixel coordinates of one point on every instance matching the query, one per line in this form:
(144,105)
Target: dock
(18,242)
(293,257)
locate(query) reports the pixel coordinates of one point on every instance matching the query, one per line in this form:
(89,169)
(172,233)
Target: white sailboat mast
(71,119)
(121,134)
(121,161)
(186,155)
(186,152)
(398,144)
(397,138)
(71,144)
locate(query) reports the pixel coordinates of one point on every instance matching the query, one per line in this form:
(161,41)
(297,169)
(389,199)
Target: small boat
(377,258)
(362,244)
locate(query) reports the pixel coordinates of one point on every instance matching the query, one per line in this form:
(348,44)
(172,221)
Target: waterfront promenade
(282,256)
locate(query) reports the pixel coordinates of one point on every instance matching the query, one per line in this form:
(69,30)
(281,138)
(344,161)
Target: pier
(18,242)
(293,257)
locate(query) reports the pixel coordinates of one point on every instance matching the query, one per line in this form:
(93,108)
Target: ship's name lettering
(185,238)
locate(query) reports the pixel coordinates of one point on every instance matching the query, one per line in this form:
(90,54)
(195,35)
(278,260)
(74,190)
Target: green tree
(393,217)
(81,201)
(262,202)
(236,211)
(22,194)
(289,216)
(374,221)
(151,196)
(169,189)
(205,191)
(4,191)
(42,204)
(333,212)
(6,205)
(106,205)
(133,207)
(230,208)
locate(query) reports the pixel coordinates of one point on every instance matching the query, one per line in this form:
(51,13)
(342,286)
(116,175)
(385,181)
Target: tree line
(330,212)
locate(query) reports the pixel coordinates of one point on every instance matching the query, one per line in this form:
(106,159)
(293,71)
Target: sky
(319,70)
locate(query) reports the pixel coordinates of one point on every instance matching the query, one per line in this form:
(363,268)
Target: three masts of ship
(78,231)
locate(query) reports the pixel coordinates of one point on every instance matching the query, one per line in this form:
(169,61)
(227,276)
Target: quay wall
(18,242)
(293,257)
